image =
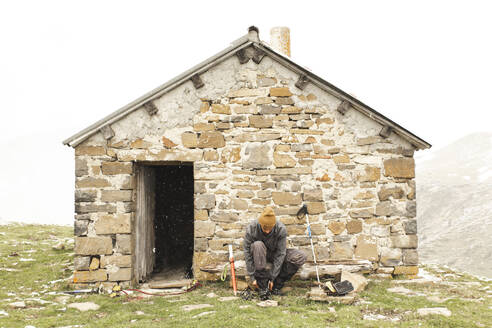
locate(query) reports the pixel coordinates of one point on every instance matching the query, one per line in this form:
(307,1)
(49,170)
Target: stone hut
(166,181)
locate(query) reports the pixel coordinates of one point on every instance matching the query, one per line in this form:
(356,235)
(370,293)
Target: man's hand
(254,284)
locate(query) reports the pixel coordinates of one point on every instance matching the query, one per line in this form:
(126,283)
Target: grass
(39,283)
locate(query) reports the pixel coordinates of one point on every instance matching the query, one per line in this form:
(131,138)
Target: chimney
(280,40)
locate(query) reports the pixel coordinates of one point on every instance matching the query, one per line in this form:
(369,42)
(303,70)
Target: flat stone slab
(203,314)
(228,298)
(192,307)
(268,303)
(436,311)
(164,284)
(85,306)
(17,305)
(317,294)
(211,295)
(404,291)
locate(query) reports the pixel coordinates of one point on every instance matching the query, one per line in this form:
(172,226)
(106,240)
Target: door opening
(167,211)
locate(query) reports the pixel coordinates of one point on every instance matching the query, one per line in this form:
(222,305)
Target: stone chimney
(280,40)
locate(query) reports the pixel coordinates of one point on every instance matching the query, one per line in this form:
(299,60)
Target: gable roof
(250,39)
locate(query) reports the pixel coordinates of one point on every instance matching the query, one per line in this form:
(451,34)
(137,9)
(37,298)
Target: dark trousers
(294,259)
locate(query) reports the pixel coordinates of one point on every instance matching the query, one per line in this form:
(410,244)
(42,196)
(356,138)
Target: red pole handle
(233,275)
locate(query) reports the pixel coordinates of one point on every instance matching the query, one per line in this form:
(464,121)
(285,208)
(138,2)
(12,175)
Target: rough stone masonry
(255,140)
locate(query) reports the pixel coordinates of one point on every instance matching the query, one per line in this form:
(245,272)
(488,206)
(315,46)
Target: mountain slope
(454,197)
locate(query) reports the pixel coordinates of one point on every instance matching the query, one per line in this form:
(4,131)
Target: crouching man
(265,241)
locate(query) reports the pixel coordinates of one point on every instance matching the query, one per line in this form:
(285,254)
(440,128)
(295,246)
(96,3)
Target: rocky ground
(36,267)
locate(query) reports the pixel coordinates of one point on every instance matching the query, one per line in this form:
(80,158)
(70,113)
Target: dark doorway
(173,221)
(164,221)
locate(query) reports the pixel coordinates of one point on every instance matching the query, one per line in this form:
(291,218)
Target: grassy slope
(470,303)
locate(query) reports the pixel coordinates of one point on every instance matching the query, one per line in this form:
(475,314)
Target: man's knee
(297,257)
(258,246)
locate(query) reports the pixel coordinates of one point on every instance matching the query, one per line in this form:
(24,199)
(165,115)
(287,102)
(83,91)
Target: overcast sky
(66,64)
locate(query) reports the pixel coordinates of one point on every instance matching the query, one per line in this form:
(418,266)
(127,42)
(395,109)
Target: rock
(257,156)
(341,250)
(115,168)
(244,306)
(280,92)
(410,257)
(336,227)
(318,294)
(90,182)
(189,140)
(364,213)
(205,201)
(17,305)
(434,311)
(228,298)
(204,229)
(313,195)
(86,306)
(4,313)
(113,223)
(410,227)
(211,295)
(404,241)
(400,168)
(231,155)
(401,290)
(259,121)
(211,139)
(286,198)
(90,276)
(267,303)
(359,282)
(82,262)
(94,264)
(59,246)
(93,245)
(203,314)
(372,174)
(386,193)
(280,160)
(366,248)
(354,226)
(192,307)
(316,207)
(121,261)
(122,274)
(123,244)
(385,209)
(406,270)
(62,299)
(411,211)
(80,227)
(390,257)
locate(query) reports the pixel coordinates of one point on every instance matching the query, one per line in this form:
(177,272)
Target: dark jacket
(275,242)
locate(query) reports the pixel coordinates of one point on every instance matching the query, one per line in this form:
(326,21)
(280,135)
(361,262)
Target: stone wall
(255,140)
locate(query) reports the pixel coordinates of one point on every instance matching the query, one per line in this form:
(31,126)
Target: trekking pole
(233,270)
(300,215)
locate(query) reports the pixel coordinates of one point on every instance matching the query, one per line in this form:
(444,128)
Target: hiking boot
(277,292)
(264,294)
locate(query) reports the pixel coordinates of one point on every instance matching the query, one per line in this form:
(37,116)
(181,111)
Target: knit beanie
(267,218)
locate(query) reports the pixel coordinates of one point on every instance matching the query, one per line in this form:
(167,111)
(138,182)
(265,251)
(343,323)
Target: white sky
(65,64)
